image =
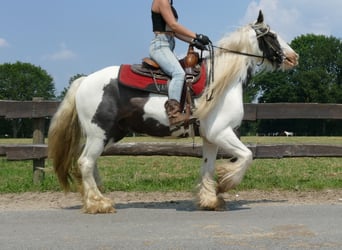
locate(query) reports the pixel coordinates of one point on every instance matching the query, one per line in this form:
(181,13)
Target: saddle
(148,76)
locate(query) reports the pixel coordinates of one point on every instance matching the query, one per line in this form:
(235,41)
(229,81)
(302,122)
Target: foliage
(317,78)
(23,81)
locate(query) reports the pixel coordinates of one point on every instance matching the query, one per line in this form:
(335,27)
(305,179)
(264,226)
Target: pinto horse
(98,110)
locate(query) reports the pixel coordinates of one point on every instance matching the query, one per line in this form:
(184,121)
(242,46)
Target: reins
(238,52)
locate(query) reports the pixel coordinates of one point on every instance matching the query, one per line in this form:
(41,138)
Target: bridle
(269,44)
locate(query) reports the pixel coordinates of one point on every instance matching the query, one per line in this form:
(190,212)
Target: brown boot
(173,110)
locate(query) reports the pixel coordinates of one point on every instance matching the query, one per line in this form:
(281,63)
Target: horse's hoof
(99,210)
(217,204)
(103,206)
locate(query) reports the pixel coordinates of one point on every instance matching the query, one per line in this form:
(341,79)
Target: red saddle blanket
(129,78)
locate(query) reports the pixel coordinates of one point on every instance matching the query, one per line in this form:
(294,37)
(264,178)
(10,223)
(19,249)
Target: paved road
(176,225)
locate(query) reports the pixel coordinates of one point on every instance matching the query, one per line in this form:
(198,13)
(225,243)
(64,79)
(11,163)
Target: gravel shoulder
(59,200)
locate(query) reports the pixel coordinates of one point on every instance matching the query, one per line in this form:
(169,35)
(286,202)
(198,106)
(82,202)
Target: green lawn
(169,173)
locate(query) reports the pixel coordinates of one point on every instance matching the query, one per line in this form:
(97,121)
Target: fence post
(38,138)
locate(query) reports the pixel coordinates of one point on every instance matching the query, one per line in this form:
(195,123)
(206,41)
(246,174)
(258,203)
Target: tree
(23,81)
(317,78)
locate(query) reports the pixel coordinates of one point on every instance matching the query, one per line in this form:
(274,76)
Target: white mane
(228,66)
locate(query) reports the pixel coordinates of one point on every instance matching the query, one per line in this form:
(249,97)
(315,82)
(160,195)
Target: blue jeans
(161,51)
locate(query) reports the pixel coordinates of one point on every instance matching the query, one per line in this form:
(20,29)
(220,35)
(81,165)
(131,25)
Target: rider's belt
(169,33)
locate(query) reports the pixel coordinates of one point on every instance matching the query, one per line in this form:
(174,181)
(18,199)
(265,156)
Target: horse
(287,133)
(97,111)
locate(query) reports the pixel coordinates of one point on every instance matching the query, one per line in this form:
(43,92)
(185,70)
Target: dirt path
(56,200)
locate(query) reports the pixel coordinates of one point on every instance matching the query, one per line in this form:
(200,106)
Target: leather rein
(238,52)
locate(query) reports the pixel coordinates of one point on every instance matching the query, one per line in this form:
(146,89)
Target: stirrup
(184,123)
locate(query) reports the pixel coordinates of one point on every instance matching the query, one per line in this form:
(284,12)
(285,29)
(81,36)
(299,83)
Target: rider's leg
(161,50)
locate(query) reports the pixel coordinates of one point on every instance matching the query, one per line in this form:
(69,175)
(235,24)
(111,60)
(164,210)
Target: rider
(166,28)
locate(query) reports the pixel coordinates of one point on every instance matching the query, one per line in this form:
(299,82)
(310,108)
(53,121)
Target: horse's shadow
(189,205)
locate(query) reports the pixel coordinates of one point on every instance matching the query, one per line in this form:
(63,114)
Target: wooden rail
(39,151)
(41,109)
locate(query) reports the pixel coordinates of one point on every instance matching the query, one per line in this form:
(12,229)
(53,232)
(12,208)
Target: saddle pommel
(191,59)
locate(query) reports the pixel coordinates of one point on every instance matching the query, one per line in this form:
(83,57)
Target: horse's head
(274,49)
(245,52)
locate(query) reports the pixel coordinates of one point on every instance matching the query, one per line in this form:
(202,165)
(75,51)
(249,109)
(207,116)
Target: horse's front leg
(207,188)
(93,200)
(231,172)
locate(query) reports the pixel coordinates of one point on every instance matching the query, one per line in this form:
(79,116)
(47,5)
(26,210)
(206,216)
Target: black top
(158,21)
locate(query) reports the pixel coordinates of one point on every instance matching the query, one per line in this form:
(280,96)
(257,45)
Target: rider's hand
(198,45)
(203,39)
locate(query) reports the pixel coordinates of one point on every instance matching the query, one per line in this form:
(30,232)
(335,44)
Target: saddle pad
(131,79)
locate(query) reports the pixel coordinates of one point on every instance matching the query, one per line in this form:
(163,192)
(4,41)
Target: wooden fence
(39,110)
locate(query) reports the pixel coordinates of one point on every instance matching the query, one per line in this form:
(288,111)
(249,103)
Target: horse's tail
(64,137)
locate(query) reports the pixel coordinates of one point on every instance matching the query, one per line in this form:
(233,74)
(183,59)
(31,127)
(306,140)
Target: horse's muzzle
(291,60)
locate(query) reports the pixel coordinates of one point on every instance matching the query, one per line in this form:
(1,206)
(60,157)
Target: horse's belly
(151,119)
(154,109)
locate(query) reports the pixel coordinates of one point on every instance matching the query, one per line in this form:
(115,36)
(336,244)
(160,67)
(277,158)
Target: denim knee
(179,76)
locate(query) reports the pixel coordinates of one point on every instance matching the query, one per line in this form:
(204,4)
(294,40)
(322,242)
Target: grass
(141,173)
(16,177)
(168,173)
(297,174)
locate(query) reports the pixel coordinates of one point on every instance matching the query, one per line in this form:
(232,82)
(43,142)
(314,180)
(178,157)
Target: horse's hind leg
(207,189)
(94,201)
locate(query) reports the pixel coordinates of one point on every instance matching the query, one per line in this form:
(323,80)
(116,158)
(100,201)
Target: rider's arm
(184,38)
(163,7)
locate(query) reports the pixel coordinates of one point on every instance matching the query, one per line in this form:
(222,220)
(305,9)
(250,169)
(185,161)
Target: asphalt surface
(176,225)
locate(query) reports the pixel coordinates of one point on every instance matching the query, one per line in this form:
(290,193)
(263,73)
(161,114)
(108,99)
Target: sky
(69,37)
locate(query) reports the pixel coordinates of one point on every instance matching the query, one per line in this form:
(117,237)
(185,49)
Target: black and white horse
(97,110)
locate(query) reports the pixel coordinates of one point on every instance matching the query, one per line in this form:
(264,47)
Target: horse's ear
(260,17)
